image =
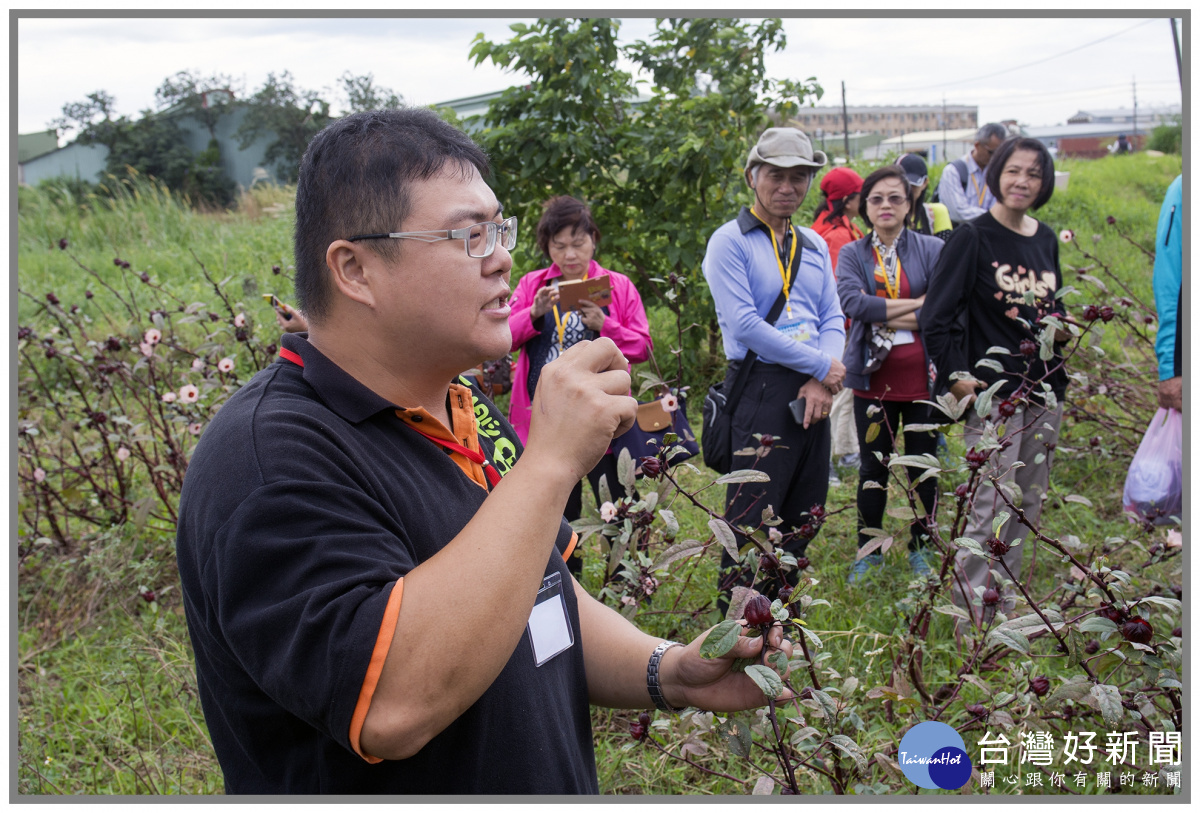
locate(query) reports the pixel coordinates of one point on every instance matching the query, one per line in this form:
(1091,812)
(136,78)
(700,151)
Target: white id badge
(903,337)
(549,625)
(794,329)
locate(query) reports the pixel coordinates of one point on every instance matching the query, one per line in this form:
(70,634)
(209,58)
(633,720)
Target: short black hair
(564,212)
(1045,162)
(889,171)
(354,179)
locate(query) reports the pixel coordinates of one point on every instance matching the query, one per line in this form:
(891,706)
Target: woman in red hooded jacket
(840,190)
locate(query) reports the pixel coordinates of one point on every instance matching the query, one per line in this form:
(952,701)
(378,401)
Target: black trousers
(873,501)
(798,464)
(606,466)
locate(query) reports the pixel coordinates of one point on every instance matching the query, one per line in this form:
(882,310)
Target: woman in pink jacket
(567,234)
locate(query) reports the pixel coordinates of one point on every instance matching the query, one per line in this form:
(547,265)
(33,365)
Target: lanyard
(560,323)
(891,286)
(784,273)
(493,476)
(975,183)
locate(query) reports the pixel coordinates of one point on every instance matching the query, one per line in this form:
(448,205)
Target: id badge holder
(796,329)
(549,625)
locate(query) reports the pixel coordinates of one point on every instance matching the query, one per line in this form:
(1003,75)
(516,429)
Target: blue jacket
(742,272)
(1168,280)
(918,254)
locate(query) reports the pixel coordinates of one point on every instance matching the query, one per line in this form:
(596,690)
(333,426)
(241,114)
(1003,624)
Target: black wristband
(652,684)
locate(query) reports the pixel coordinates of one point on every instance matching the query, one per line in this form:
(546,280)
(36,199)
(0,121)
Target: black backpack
(961,165)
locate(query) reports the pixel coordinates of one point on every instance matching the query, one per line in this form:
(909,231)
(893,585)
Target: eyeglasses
(894,200)
(479,240)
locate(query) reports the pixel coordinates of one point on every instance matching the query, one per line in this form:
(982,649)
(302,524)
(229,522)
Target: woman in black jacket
(983,319)
(882,285)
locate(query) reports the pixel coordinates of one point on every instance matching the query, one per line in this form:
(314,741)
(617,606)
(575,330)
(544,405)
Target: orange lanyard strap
(489,470)
(560,323)
(785,273)
(892,286)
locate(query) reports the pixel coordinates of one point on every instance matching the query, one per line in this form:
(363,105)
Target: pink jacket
(626,325)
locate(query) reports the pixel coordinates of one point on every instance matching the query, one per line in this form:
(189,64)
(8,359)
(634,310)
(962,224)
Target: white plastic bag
(1154,486)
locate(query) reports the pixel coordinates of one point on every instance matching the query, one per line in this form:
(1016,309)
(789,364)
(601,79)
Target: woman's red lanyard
(558,320)
(891,286)
(784,272)
(489,471)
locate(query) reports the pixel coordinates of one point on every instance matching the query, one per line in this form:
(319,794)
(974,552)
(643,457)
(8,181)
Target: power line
(1037,62)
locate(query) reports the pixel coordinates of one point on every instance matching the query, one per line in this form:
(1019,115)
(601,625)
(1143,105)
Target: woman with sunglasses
(882,283)
(996,281)
(541,330)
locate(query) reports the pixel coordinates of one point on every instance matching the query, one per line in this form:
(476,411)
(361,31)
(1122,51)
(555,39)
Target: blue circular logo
(933,755)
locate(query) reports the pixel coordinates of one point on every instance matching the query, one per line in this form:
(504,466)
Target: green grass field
(107,700)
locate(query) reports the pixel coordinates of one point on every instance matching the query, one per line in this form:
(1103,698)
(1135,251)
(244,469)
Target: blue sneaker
(863,566)
(919,562)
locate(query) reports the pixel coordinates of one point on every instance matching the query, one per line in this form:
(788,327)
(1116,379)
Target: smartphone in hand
(279,307)
(797,407)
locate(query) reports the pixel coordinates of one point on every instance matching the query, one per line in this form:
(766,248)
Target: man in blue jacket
(750,260)
(1168,297)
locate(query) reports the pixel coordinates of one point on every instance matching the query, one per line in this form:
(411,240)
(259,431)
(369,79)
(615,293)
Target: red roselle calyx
(1007,409)
(1092,647)
(1113,614)
(802,563)
(1137,630)
(767,441)
(997,546)
(651,467)
(1040,686)
(991,597)
(758,611)
(1028,347)
(977,710)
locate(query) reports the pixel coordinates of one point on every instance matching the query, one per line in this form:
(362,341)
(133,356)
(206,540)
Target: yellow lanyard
(975,183)
(784,272)
(560,323)
(893,289)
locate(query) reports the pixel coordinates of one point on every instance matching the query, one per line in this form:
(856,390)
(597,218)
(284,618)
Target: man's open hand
(688,679)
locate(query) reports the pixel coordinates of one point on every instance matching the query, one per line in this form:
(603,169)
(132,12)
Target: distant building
(933,145)
(1086,140)
(88,162)
(1147,117)
(886,120)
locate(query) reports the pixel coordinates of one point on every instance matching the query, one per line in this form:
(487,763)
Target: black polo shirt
(306,502)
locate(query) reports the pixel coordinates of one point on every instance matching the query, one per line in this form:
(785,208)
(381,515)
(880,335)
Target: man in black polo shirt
(374,582)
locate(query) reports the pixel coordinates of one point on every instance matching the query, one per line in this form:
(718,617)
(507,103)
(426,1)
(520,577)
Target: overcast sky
(974,61)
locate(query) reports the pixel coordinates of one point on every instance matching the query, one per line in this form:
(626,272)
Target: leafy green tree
(287,114)
(91,119)
(661,173)
(363,94)
(152,145)
(205,97)
(1167,138)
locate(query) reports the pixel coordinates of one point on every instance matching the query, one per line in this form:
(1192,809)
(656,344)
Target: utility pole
(1135,110)
(1178,58)
(944,122)
(845,122)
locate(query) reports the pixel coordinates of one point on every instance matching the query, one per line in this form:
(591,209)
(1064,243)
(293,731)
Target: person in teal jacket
(1168,296)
